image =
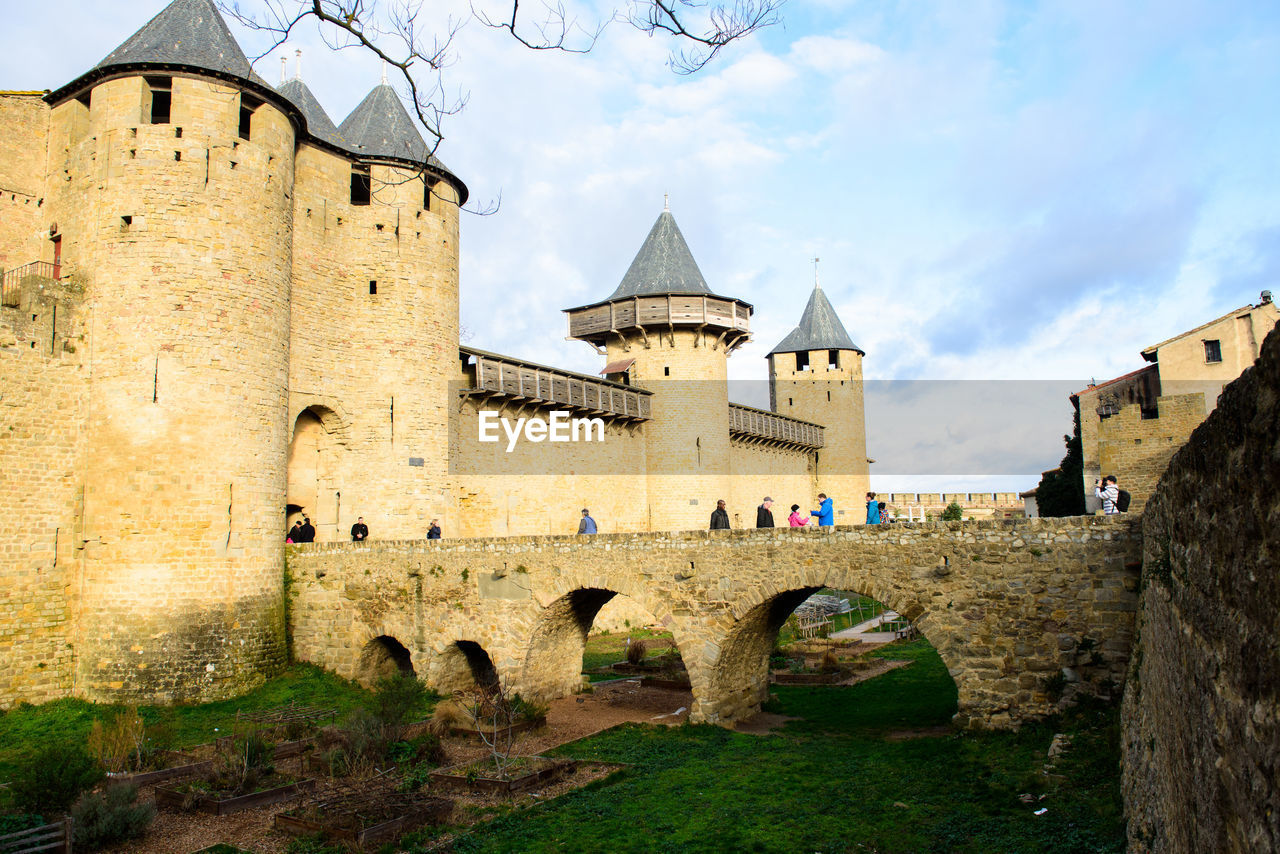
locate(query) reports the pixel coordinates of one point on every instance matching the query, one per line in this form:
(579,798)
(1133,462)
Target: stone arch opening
(382,657)
(740,680)
(553,664)
(313,488)
(462,666)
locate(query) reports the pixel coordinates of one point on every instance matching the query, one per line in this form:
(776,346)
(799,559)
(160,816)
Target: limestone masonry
(1201,718)
(223,312)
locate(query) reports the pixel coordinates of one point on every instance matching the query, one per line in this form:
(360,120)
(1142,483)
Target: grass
(25,729)
(840,778)
(604,649)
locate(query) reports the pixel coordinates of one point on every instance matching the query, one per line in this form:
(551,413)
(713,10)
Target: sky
(1008,199)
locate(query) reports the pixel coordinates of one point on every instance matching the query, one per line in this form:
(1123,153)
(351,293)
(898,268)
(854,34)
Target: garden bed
(787,678)
(211,803)
(363,818)
(537,770)
(665,681)
(516,728)
(183,766)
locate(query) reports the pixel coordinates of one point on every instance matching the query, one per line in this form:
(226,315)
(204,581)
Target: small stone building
(1131,426)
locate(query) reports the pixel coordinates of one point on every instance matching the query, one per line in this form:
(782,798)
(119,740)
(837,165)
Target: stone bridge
(1007,604)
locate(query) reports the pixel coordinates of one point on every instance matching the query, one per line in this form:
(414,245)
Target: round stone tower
(374,322)
(815,373)
(171,177)
(665,330)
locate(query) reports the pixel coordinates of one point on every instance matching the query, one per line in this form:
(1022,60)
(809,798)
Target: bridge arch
(461,666)
(553,663)
(382,657)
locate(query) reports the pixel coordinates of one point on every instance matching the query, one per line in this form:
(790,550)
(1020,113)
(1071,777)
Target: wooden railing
(513,380)
(749,423)
(49,837)
(715,314)
(12,279)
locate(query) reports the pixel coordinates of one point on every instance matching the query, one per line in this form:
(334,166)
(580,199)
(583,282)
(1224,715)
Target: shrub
(829,664)
(397,699)
(119,744)
(953,513)
(112,816)
(448,715)
(422,748)
(53,779)
(20,821)
(636,651)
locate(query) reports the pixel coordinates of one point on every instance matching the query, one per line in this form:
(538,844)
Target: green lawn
(847,776)
(25,729)
(868,768)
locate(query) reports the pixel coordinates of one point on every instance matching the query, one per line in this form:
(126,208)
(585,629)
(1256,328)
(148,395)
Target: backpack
(1122,501)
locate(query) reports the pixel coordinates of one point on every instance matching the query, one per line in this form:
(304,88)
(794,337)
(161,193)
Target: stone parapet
(1008,605)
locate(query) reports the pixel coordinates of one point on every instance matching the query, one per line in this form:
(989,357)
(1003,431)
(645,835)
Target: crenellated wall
(1201,736)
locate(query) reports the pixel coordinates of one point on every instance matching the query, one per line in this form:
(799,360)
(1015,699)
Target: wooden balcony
(728,321)
(749,424)
(504,378)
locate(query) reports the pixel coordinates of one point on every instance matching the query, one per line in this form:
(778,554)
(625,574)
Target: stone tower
(815,373)
(374,321)
(170,176)
(663,329)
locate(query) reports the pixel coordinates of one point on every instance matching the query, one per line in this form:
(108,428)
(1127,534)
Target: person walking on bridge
(826,511)
(873,509)
(720,517)
(764,516)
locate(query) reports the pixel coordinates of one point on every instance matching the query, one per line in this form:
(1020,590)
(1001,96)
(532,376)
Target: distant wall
(1201,724)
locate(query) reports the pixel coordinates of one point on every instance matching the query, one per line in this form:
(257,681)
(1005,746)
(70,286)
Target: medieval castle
(222,311)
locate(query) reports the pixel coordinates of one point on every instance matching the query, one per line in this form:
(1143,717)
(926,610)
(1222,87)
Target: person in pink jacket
(796,520)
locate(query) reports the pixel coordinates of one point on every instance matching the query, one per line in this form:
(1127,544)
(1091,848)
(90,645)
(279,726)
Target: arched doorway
(313,488)
(382,657)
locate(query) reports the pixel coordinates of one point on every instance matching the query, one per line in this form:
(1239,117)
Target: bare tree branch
(394,35)
(723,24)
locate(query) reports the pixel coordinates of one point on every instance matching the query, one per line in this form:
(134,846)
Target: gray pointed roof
(664,265)
(318,122)
(186,32)
(380,127)
(820,329)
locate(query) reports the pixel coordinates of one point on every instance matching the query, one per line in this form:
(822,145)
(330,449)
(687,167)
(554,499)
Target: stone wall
(42,410)
(1201,724)
(23,218)
(1008,605)
(374,344)
(1137,450)
(180,573)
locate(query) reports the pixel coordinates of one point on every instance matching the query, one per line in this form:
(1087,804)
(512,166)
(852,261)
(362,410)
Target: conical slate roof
(820,329)
(186,32)
(664,265)
(380,127)
(319,124)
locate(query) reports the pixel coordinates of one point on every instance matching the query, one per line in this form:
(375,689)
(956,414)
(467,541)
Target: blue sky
(997,191)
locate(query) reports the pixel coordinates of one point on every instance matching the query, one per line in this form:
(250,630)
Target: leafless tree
(395,32)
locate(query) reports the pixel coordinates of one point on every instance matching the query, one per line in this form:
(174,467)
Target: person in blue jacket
(826,515)
(873,509)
